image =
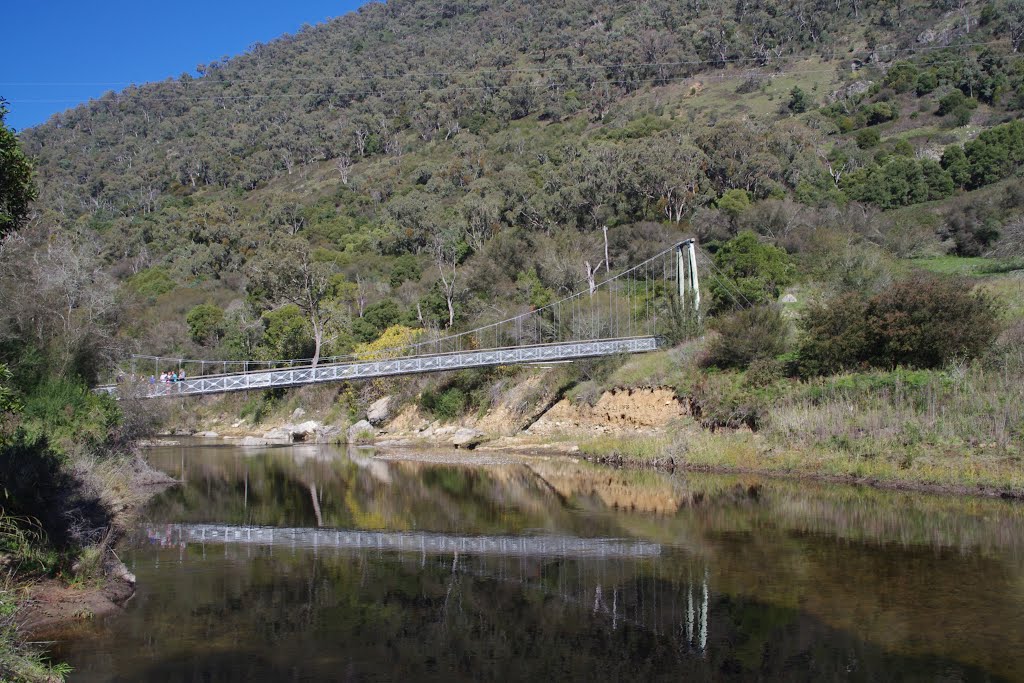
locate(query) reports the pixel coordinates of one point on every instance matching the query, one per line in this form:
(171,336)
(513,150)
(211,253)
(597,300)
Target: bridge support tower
(686,273)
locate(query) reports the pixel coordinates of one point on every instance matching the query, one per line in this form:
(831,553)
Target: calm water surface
(311,563)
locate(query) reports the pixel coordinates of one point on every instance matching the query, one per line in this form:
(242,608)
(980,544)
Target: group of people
(168,377)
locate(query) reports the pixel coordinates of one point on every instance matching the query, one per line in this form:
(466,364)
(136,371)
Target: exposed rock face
(358,432)
(623,409)
(379,411)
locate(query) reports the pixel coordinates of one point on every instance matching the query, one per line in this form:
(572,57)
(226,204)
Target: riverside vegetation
(860,161)
(68,471)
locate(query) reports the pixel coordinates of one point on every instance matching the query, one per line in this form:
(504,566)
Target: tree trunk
(318,338)
(607,261)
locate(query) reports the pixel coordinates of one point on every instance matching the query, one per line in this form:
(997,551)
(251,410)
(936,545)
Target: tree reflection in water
(752,578)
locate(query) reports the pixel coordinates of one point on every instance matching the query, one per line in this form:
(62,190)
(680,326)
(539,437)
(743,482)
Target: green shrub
(749,335)
(151,282)
(726,400)
(902,77)
(754,272)
(446,404)
(921,322)
(799,100)
(957,106)
(205,323)
(867,138)
(995,154)
(734,202)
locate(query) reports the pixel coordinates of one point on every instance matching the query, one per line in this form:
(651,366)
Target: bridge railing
(287,377)
(635,303)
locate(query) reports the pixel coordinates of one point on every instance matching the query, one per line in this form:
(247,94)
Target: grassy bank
(68,479)
(960,429)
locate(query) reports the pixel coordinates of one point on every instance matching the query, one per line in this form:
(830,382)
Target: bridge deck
(290,377)
(419,542)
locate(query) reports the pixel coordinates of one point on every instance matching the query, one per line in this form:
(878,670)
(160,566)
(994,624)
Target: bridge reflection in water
(524,546)
(615,580)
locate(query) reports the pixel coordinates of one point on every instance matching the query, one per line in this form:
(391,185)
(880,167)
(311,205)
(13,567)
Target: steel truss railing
(291,377)
(418,542)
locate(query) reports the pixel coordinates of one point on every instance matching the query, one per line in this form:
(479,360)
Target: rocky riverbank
(98,582)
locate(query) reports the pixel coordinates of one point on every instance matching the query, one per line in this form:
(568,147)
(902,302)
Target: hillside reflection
(386,569)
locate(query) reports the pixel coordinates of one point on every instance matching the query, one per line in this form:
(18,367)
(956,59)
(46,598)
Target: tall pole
(686,272)
(694,282)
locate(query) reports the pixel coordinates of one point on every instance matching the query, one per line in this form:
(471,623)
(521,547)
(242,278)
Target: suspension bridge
(630,312)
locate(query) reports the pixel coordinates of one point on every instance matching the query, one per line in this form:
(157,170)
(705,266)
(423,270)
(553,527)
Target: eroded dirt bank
(102,584)
(640,427)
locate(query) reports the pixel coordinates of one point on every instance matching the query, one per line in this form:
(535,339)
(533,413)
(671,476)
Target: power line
(719,76)
(210,80)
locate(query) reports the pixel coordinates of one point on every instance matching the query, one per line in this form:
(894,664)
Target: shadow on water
(310,563)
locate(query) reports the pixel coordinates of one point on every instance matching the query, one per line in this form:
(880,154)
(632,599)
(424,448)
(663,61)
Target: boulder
(253,441)
(467,438)
(207,435)
(379,411)
(329,434)
(305,430)
(361,432)
(279,434)
(298,413)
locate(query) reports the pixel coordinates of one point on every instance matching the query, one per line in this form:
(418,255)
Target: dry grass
(19,662)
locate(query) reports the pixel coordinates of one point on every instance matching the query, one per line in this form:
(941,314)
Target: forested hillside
(502,138)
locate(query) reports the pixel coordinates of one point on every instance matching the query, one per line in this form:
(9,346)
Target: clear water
(312,564)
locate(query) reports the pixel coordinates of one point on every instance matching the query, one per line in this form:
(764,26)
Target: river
(310,563)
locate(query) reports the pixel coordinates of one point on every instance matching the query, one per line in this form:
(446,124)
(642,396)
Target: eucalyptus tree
(288,273)
(17,189)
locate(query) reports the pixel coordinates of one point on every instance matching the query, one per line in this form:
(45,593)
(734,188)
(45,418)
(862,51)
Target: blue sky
(59,53)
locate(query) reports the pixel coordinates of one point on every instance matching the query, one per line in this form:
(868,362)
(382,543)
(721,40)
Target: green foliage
(734,202)
(799,100)
(972,227)
(867,138)
(957,106)
(643,127)
(64,415)
(726,399)
(755,272)
(152,282)
(205,323)
(463,391)
(532,289)
(954,160)
(257,408)
(902,77)
(286,334)
(446,404)
(834,336)
(898,182)
(17,188)
(995,154)
(404,269)
(376,319)
(922,322)
(8,399)
(746,336)
(927,81)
